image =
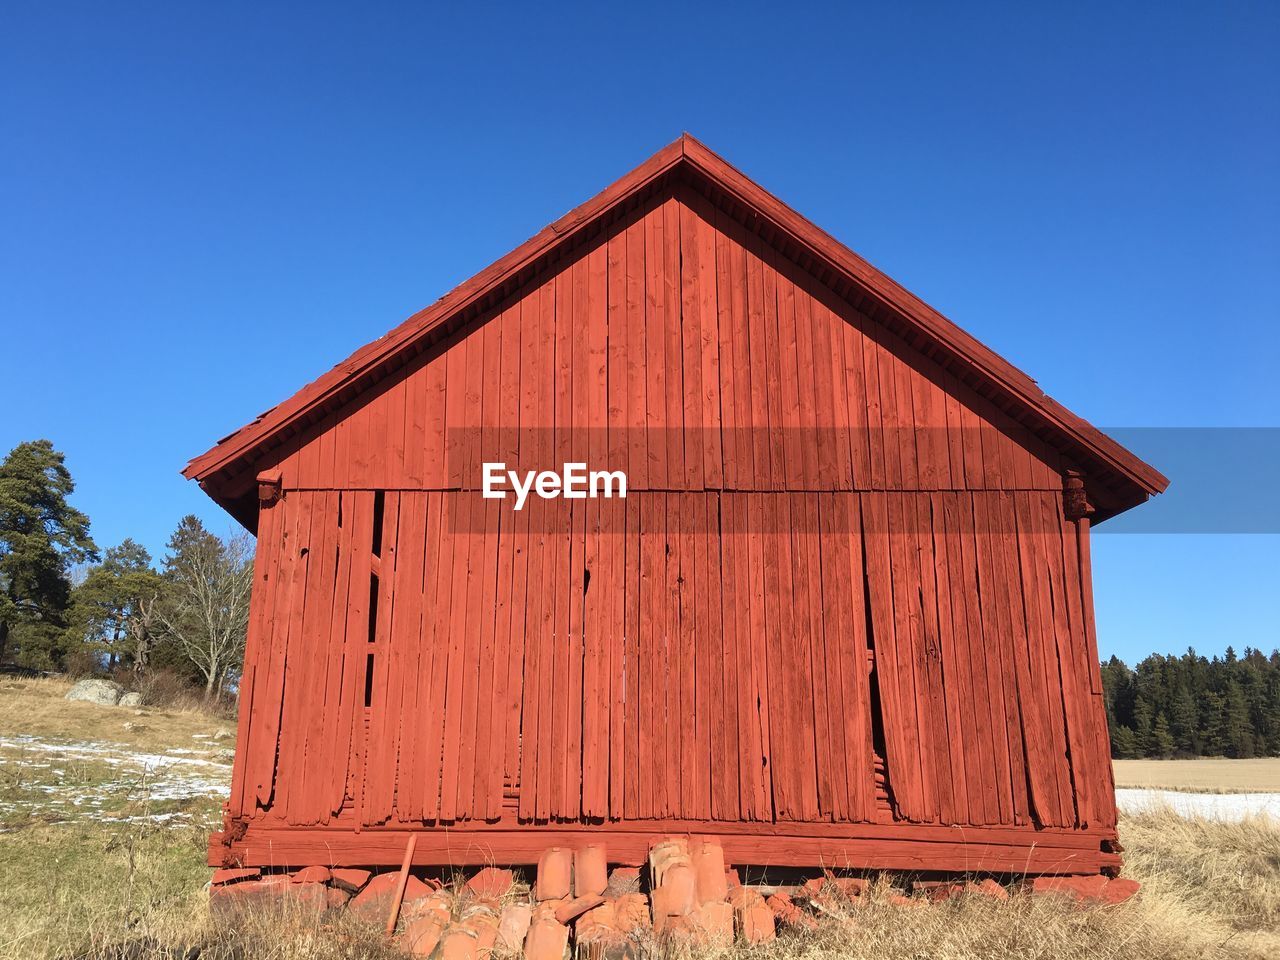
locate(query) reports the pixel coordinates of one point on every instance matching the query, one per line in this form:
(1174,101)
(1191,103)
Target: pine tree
(114,610)
(41,536)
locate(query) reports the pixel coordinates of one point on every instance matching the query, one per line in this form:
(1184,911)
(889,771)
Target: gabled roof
(1117,478)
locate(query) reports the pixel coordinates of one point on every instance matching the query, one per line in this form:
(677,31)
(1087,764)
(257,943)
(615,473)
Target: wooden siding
(687,353)
(673,656)
(840,590)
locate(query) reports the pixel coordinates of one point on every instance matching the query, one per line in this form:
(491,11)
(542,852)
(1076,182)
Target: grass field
(124,876)
(1207,775)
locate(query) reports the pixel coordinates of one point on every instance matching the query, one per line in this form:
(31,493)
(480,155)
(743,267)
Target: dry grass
(1211,890)
(118,884)
(37,708)
(1203,775)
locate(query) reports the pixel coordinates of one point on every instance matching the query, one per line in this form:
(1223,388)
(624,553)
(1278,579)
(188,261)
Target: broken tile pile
(575,899)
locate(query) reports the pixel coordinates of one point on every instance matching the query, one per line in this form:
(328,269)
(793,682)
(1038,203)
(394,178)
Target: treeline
(67,606)
(1191,706)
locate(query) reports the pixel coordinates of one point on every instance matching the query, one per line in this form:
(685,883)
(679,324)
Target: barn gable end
(841,612)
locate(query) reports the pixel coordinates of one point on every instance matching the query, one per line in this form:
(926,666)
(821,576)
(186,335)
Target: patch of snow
(1214,806)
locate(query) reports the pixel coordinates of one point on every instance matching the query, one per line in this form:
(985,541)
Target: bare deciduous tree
(207,610)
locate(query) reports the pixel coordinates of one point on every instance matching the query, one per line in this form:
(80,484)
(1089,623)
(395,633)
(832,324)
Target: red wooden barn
(843,614)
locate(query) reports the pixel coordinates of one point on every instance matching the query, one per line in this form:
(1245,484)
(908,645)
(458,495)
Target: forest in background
(1194,706)
(67,607)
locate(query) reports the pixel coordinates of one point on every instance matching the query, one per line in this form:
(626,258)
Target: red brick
(373,903)
(664,854)
(1119,890)
(590,870)
(314,897)
(787,913)
(631,912)
(546,940)
(423,933)
(221,878)
(555,867)
(1083,889)
(313,875)
(484,924)
(349,878)
(336,897)
(491,882)
(713,923)
(459,943)
(755,922)
(988,888)
(513,926)
(572,909)
(604,915)
(946,891)
(675,897)
(707,857)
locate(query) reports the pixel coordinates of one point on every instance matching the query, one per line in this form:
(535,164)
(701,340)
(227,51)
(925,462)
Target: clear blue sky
(204,208)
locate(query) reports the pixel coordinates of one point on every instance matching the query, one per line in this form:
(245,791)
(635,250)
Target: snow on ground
(1215,806)
(88,777)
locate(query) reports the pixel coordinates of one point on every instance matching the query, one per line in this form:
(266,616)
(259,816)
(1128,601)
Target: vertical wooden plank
(634,797)
(709,352)
(895,714)
(758,339)
(691,321)
(656,323)
(672,350)
(995,628)
(735,376)
(442,539)
(357,508)
(635,358)
(724,727)
(806,373)
(595,699)
(531,720)
(255,678)
(518,548)
(649,667)
(403,645)
(955,672)
(463,527)
(486,791)
(932,674)
(613,597)
(760,636)
(794,439)
(815,666)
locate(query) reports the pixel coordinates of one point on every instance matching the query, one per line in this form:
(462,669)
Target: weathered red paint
(841,617)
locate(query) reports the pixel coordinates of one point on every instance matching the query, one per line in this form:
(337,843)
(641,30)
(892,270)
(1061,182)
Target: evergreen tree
(1192,706)
(41,536)
(114,609)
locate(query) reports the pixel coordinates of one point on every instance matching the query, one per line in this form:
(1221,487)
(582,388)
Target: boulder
(317,874)
(130,700)
(105,693)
